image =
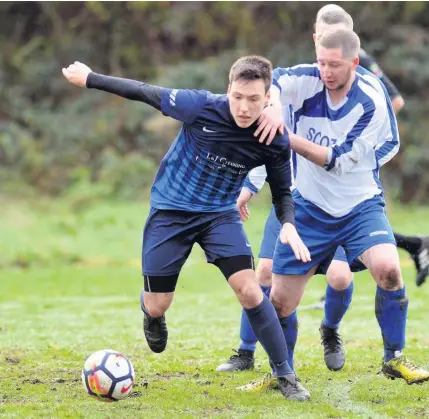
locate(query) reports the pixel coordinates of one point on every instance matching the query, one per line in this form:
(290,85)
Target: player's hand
(77,73)
(270,121)
(243,199)
(289,235)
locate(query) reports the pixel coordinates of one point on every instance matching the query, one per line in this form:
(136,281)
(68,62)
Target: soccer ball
(108,376)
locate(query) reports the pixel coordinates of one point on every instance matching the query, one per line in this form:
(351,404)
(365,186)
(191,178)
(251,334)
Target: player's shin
(290,330)
(265,323)
(247,336)
(337,303)
(391,311)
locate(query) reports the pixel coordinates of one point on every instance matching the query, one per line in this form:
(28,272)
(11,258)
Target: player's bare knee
(389,276)
(264,272)
(282,307)
(339,280)
(249,294)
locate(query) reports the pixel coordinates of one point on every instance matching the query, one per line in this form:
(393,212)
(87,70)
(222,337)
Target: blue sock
(336,305)
(268,331)
(290,329)
(248,338)
(391,311)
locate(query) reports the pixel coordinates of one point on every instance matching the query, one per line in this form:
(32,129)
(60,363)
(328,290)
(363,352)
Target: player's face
(247,99)
(335,70)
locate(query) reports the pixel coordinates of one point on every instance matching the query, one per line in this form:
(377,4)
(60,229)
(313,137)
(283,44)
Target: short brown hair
(252,67)
(332,14)
(345,39)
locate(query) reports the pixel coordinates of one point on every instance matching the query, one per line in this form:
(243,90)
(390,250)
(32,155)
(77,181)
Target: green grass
(70,282)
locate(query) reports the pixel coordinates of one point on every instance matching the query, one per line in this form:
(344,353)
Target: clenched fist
(77,73)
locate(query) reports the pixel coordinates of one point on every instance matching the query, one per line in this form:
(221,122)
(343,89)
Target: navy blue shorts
(169,235)
(272,231)
(362,228)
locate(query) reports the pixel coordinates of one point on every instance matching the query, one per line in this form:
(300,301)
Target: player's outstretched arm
(183,105)
(81,75)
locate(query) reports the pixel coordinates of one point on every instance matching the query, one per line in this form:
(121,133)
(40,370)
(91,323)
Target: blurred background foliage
(58,140)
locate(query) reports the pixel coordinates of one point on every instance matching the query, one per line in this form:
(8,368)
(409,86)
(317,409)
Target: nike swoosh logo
(207,130)
(124,389)
(248,245)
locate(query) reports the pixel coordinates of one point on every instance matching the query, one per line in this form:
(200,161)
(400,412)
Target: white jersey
(361,133)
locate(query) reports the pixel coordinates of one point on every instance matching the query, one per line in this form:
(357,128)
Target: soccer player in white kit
(345,131)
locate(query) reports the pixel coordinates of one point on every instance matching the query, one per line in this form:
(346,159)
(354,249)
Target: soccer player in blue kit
(193,197)
(338,194)
(339,275)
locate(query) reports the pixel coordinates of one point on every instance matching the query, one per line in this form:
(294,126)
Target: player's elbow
(398,103)
(338,165)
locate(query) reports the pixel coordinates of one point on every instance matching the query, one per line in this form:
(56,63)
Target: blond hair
(345,39)
(332,14)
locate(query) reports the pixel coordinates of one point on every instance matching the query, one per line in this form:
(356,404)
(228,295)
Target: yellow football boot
(269,381)
(400,367)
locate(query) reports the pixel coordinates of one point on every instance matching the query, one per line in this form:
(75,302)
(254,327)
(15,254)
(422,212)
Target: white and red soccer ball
(108,375)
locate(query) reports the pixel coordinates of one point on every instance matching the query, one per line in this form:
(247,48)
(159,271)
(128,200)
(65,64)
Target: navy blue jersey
(368,62)
(205,167)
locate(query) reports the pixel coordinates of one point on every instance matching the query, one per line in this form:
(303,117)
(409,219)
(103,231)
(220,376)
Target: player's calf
(154,325)
(421,260)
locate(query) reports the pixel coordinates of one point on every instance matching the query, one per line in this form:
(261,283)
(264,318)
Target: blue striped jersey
(205,167)
(361,133)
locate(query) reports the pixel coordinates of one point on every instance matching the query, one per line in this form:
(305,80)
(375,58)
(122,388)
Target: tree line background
(56,139)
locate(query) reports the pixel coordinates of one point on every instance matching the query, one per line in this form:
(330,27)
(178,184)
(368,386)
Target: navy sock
(391,311)
(337,303)
(247,336)
(268,331)
(290,330)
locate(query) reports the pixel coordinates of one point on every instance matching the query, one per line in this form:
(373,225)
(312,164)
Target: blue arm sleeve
(183,105)
(280,179)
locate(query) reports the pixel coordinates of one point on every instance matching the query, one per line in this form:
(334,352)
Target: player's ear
(355,62)
(267,97)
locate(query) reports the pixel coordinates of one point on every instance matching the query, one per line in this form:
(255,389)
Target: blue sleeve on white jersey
(183,105)
(360,141)
(255,180)
(387,150)
(296,84)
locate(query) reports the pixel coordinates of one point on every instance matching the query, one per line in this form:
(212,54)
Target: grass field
(70,282)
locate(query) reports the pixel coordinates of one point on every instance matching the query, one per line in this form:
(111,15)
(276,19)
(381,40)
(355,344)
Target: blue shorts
(362,228)
(169,235)
(272,231)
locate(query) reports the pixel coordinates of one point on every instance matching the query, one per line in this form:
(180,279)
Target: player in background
(339,275)
(193,197)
